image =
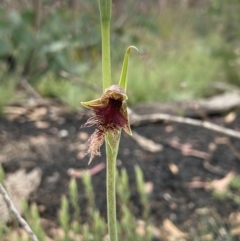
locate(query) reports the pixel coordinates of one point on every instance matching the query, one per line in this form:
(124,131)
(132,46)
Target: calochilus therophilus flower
(110,116)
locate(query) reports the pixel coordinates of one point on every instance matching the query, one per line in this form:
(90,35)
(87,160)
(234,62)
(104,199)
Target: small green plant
(73,193)
(90,193)
(64,217)
(143,194)
(32,216)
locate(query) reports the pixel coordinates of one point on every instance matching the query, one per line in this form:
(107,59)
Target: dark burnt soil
(55,143)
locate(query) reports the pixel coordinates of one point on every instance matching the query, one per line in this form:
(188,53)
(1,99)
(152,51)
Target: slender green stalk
(105,16)
(106,59)
(112,142)
(112,152)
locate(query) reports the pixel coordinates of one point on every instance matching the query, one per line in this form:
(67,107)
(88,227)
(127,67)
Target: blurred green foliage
(46,38)
(226,19)
(183,48)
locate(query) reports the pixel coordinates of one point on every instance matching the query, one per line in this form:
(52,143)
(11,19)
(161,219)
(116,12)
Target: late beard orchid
(110,116)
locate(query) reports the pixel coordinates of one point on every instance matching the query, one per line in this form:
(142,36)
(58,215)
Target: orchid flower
(110,115)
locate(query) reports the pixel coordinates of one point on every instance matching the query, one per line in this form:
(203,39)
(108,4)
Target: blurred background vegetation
(54,45)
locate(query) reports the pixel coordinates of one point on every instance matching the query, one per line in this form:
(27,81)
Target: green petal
(123,78)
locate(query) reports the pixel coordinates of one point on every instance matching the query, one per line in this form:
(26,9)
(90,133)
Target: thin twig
(136,119)
(20,219)
(227,142)
(77,80)
(187,150)
(233,149)
(206,162)
(29,89)
(226,87)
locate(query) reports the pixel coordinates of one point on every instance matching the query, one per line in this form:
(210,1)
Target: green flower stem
(112,152)
(105,7)
(105,16)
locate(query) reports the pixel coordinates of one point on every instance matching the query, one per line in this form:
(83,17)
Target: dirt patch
(54,142)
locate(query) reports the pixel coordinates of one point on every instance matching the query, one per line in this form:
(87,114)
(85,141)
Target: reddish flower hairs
(110,116)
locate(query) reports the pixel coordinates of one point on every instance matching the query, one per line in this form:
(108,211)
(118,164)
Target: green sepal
(123,78)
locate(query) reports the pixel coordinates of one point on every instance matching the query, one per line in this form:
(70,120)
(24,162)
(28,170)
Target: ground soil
(54,142)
